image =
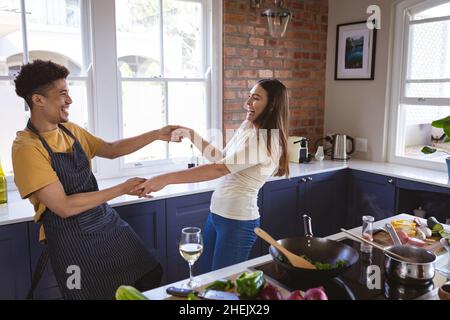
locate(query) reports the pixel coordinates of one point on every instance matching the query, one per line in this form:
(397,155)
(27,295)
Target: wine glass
(191,247)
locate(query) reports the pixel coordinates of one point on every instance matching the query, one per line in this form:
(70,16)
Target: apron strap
(37,275)
(33,129)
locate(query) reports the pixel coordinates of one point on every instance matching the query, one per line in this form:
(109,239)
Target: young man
(51,160)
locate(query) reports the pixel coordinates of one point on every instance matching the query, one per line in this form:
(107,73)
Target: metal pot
(419,271)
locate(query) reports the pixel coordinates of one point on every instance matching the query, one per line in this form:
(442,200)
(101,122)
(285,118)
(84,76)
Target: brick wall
(298,60)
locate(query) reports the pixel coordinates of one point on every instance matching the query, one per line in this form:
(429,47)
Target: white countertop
(18,210)
(160,293)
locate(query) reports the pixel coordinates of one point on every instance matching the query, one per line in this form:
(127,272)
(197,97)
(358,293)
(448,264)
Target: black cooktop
(352,284)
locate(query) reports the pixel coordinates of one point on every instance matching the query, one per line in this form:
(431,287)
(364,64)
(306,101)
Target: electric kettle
(339,151)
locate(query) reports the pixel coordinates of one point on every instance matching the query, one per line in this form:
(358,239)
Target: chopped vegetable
(420,234)
(315,294)
(427,231)
(192,296)
(249,284)
(444,234)
(270,292)
(129,293)
(319,265)
(221,285)
(295,295)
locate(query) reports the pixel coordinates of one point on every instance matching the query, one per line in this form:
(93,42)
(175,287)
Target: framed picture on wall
(355,51)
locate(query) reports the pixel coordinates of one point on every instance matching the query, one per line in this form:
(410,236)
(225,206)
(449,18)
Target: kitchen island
(160,293)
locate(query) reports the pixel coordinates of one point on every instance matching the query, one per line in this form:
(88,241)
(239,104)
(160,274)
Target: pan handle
(307,226)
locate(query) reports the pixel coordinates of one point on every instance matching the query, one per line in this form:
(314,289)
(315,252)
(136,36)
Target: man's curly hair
(37,77)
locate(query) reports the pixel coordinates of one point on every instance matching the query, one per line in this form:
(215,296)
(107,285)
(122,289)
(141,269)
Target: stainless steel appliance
(340,149)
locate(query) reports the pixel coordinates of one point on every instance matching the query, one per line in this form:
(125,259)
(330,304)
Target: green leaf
(428,150)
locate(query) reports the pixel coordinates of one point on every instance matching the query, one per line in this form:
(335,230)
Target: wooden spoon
(294,259)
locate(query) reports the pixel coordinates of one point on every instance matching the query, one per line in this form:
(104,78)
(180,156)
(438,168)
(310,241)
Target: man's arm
(112,150)
(54,197)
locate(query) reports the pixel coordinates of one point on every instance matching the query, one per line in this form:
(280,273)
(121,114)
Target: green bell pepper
(249,284)
(221,285)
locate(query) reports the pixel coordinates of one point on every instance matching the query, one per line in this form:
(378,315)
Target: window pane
(428,90)
(138,38)
(418,131)
(79,107)
(10,37)
(54,32)
(143,110)
(13,108)
(438,11)
(182,39)
(430,51)
(187,107)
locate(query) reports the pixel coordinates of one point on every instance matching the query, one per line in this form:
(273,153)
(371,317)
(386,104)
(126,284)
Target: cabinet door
(370,194)
(47,287)
(325,201)
(148,221)
(187,211)
(15,274)
(281,217)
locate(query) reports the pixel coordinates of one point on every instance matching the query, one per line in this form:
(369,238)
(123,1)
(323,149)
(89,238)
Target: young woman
(257,150)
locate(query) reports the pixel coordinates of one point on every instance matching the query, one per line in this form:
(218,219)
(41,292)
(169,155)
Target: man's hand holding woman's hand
(166,133)
(151,185)
(129,187)
(181,133)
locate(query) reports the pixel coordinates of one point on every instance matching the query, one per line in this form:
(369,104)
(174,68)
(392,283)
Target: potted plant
(444,124)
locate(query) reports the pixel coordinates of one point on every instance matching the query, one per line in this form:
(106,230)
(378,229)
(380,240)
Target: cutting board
(383,238)
(283,291)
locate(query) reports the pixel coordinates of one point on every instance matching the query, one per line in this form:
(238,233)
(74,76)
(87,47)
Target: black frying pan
(318,250)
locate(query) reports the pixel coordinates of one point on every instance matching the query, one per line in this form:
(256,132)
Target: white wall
(359,108)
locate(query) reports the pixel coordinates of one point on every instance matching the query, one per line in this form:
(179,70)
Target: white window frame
(107,85)
(398,81)
(85,25)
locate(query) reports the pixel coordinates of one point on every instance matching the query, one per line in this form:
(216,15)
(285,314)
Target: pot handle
(307,226)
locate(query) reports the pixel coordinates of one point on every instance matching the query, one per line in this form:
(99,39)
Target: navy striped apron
(105,248)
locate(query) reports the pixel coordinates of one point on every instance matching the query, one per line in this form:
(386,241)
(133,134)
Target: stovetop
(352,284)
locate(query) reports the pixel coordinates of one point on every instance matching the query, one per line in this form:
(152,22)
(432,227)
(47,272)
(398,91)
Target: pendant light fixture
(277,17)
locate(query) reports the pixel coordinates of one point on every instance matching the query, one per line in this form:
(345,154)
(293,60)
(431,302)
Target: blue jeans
(226,242)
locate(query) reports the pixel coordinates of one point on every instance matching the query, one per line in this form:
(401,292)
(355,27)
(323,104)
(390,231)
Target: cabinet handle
(303,179)
(390,180)
(310,179)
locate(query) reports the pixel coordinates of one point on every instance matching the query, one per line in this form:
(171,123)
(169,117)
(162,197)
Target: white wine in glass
(191,247)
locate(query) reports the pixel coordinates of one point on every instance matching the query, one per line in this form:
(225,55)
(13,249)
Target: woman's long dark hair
(276,116)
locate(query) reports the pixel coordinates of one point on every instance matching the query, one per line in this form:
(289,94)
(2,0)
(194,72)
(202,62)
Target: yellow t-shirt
(31,161)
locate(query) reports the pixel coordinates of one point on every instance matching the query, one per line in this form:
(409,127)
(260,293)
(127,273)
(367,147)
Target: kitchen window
(420,81)
(136,65)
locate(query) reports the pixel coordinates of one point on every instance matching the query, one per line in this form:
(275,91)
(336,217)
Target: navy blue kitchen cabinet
(15,274)
(323,198)
(434,200)
(370,194)
(181,212)
(281,217)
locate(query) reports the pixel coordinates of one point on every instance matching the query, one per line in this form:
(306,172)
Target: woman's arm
(208,151)
(202,173)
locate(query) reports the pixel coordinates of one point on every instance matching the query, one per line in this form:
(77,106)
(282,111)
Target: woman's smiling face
(256,102)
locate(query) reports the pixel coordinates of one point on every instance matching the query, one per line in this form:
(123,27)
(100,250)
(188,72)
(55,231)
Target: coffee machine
(303,154)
